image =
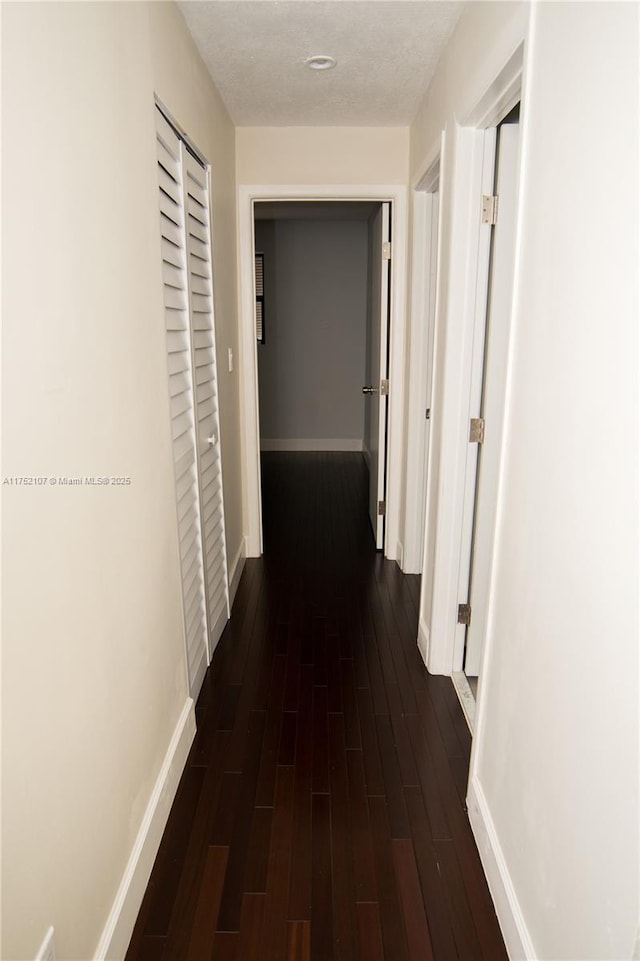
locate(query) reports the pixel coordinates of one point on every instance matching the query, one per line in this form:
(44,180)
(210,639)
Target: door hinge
(386,250)
(427,413)
(382,508)
(489,210)
(384,388)
(476,430)
(464,614)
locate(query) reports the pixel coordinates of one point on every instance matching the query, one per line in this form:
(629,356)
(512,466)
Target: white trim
(236,569)
(512,924)
(421,333)
(504,91)
(416,402)
(247,195)
(456,319)
(466,698)
(312,443)
(47,950)
(423,640)
(469,391)
(117,932)
(502,94)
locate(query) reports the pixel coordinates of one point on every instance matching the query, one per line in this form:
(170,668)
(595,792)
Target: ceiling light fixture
(320,62)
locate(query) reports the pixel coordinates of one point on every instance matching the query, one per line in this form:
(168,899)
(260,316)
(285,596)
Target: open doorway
(322,297)
(474,291)
(491,404)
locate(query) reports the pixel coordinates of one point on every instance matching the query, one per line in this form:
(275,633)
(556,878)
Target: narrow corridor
(321,813)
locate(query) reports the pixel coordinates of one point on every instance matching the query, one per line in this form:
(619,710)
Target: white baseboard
(423,640)
(122,918)
(514,930)
(312,443)
(235,570)
(466,698)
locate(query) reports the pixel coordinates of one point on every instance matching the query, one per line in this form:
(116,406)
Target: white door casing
(375,439)
(474,400)
(247,196)
(467,174)
(426,219)
(459,296)
(493,394)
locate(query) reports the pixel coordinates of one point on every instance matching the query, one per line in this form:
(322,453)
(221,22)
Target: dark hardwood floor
(321,812)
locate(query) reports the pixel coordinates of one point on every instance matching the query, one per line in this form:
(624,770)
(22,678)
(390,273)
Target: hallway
(321,813)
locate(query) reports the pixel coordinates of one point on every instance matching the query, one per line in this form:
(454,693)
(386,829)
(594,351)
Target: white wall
(322,155)
(311,368)
(554,793)
(93,669)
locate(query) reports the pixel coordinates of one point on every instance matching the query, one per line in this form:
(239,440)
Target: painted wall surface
(485,37)
(322,155)
(311,368)
(556,746)
(93,669)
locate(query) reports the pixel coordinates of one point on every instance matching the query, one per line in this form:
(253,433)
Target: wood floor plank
(274,935)
(349,705)
(398,821)
(251,926)
(391,920)
(370,749)
(298,941)
(343,888)
(320,741)
(464,932)
(370,947)
(321,814)
(267,776)
(203,929)
(431,880)
(225,946)
(415,919)
(300,870)
(242,858)
(322,935)
(151,949)
(161,892)
(361,836)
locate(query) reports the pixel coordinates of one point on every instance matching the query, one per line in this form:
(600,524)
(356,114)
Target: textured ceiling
(387,51)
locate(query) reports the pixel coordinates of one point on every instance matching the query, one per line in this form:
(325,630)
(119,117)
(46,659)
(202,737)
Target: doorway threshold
(466,698)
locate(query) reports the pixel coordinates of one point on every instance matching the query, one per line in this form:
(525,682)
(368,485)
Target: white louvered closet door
(180,299)
(206,395)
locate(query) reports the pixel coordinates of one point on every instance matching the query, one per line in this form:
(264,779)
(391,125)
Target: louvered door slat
(199,267)
(176,319)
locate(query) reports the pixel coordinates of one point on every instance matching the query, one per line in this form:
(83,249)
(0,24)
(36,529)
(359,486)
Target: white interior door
(434,220)
(183,433)
(205,377)
(375,389)
(189,325)
(492,405)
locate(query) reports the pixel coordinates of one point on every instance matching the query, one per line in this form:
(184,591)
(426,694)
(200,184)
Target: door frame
(461,299)
(248,195)
(422,330)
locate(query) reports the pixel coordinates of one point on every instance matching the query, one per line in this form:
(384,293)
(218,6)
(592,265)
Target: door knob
(371,390)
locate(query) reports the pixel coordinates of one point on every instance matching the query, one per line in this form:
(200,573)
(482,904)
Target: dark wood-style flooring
(321,814)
